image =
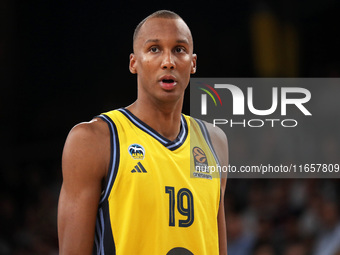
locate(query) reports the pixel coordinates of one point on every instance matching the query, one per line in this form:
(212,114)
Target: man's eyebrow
(157,41)
(152,41)
(183,41)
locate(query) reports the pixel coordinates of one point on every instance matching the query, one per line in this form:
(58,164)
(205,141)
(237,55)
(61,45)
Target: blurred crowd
(283,217)
(28,211)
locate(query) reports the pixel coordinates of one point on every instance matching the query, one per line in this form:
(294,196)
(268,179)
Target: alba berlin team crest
(136,151)
(201,164)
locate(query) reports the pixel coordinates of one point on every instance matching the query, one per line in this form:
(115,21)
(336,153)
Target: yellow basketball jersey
(160,197)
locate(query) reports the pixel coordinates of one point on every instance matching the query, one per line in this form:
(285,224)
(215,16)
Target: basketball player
(127,184)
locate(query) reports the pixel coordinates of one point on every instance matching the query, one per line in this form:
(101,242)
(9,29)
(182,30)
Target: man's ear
(133,63)
(193,63)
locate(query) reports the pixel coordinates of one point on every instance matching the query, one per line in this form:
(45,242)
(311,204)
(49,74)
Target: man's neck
(165,119)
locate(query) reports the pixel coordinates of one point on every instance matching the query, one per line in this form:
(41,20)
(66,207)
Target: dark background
(63,62)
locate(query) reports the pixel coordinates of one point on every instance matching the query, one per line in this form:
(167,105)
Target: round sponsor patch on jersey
(136,151)
(199,155)
(200,160)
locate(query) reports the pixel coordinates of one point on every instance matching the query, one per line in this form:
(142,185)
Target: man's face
(163,59)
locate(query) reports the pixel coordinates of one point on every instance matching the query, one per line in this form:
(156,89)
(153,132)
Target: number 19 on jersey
(185,206)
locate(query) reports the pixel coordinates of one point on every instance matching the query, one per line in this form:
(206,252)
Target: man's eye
(154,49)
(179,50)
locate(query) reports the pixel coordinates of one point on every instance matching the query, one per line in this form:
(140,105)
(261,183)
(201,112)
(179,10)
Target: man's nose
(168,61)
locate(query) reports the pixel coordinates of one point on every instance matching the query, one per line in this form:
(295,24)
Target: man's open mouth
(168,81)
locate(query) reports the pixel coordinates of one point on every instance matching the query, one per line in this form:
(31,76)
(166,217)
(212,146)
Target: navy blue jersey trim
(183,134)
(97,236)
(114,161)
(104,241)
(109,247)
(207,138)
(171,145)
(98,248)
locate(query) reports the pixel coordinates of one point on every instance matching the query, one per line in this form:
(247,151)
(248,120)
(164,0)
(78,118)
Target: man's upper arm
(220,143)
(84,165)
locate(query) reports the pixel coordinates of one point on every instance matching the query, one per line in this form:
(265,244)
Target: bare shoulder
(217,136)
(220,143)
(88,143)
(91,135)
(95,127)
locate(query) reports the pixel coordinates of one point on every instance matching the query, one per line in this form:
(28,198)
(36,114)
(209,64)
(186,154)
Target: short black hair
(165,14)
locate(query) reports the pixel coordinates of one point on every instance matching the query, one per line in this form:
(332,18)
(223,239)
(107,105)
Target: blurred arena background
(63,62)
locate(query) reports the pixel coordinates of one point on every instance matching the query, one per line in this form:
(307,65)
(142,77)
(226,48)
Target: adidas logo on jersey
(139,168)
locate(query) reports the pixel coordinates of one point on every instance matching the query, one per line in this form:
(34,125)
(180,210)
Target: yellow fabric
(145,203)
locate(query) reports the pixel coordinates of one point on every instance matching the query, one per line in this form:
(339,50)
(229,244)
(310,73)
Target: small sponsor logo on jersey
(139,168)
(200,159)
(201,164)
(136,151)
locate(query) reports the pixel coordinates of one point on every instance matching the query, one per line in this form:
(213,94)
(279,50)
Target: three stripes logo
(139,168)
(211,92)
